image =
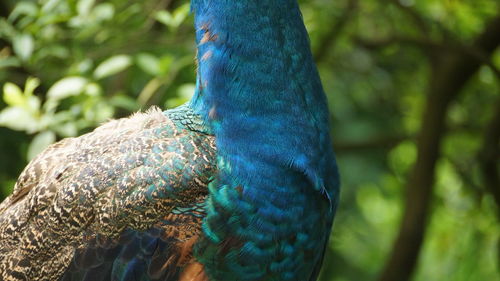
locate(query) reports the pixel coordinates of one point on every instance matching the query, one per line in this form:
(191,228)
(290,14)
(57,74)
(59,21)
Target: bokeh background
(413,88)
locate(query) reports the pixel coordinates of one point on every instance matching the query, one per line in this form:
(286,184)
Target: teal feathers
(260,93)
(240,184)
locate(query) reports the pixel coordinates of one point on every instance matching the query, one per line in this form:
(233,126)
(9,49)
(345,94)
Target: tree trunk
(449,74)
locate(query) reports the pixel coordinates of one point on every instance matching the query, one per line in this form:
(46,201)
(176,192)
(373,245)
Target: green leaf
(23,46)
(18,118)
(175,19)
(166,63)
(112,66)
(57,51)
(125,102)
(149,64)
(67,129)
(50,5)
(9,62)
(186,91)
(13,95)
(181,13)
(33,104)
(164,17)
(84,6)
(66,87)
(31,85)
(83,66)
(40,142)
(402,157)
(6,29)
(98,112)
(23,8)
(93,89)
(103,12)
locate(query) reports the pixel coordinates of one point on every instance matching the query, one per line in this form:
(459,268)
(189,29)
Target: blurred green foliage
(66,66)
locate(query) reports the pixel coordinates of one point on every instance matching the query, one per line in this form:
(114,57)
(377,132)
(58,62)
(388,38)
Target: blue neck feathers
(271,205)
(258,86)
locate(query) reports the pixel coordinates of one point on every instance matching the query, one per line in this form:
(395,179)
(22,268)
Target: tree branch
(424,23)
(450,73)
(382,142)
(329,38)
(419,21)
(423,43)
(432,48)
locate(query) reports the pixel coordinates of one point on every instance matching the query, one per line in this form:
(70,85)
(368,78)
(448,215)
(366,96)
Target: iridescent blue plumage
(272,202)
(240,184)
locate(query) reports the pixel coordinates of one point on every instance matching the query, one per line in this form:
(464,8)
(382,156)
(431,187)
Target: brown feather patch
(194,272)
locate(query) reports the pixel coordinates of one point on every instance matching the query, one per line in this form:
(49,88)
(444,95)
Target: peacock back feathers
(109,195)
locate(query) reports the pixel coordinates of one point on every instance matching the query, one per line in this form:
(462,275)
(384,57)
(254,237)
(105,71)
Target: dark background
(413,88)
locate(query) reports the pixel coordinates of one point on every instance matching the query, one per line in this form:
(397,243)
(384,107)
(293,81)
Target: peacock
(238,184)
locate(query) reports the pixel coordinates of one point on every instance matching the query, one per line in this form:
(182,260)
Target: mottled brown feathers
(129,173)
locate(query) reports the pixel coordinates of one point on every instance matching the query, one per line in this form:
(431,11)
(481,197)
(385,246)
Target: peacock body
(239,184)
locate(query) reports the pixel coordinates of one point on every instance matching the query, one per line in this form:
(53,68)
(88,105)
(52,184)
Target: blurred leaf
(402,157)
(83,66)
(103,11)
(186,91)
(57,51)
(6,29)
(84,6)
(112,66)
(40,142)
(98,112)
(23,45)
(23,8)
(69,86)
(68,129)
(124,102)
(50,5)
(9,62)
(165,17)
(173,20)
(149,64)
(184,94)
(19,119)
(93,89)
(31,85)
(33,104)
(13,95)
(166,62)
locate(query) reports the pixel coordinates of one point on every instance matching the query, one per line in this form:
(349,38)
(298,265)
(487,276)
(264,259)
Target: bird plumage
(108,194)
(259,89)
(239,184)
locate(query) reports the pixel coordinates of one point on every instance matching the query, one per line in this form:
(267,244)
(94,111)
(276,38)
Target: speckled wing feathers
(136,175)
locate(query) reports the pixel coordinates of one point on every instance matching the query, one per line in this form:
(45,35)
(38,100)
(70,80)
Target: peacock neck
(259,92)
(252,54)
(257,83)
